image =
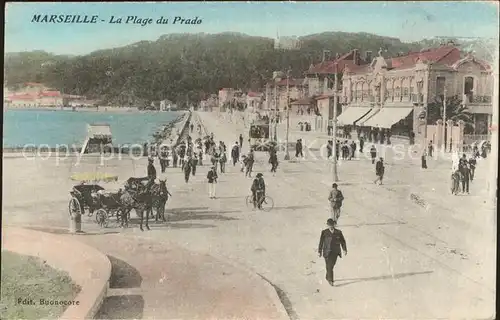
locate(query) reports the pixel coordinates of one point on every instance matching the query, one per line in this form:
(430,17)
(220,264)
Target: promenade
(404,260)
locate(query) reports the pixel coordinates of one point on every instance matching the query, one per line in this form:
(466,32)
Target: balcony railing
(471,99)
(417,98)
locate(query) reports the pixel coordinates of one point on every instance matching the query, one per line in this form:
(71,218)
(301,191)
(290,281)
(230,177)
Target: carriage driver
(151,173)
(258,189)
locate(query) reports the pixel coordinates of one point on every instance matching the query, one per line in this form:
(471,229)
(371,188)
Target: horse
(160,195)
(140,200)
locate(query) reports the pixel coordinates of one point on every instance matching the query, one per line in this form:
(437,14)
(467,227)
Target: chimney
(368,56)
(355,56)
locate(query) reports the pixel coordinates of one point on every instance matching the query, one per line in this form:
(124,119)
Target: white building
(287,43)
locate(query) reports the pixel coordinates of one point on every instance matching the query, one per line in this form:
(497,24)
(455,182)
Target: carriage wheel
(101,218)
(267,204)
(74,207)
(249,201)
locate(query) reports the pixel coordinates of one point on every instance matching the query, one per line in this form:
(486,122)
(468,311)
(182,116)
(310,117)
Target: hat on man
(259,175)
(334,185)
(151,160)
(331,223)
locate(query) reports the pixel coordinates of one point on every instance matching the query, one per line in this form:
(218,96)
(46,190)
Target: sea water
(52,128)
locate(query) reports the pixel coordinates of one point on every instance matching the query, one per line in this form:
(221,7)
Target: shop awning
(351,114)
(387,117)
(366,117)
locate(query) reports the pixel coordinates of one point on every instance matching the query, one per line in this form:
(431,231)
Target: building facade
(399,90)
(254,100)
(33,95)
(283,88)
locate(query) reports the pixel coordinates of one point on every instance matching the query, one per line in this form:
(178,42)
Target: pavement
(441,255)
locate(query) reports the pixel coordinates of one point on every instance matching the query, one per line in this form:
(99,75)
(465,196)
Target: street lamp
(287,153)
(444,119)
(334,126)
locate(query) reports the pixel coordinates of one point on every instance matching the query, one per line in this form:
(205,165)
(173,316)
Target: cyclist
(258,190)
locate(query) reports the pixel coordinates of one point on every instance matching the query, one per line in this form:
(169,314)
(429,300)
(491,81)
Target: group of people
(463,173)
(347,150)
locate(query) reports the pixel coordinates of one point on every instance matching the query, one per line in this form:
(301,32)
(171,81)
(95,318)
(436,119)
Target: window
(468,85)
(440,83)
(397,92)
(405,92)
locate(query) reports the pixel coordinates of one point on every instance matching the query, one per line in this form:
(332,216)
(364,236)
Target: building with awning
(394,86)
(387,117)
(351,115)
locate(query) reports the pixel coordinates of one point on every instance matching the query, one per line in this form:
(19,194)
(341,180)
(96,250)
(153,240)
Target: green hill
(182,67)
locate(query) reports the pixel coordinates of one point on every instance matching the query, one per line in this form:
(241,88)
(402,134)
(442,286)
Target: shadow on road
(187,209)
(123,275)
(121,307)
(372,224)
(181,226)
(66,231)
(183,216)
(386,277)
(295,207)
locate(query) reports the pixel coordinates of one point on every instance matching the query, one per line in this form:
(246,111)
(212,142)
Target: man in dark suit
(379,170)
(329,247)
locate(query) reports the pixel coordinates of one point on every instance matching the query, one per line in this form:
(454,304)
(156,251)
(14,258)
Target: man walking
(373,153)
(330,243)
(241,142)
(175,157)
(353,149)
(273,160)
(430,148)
(163,158)
(298,149)
(361,144)
(249,164)
(222,161)
(379,171)
(335,197)
(472,166)
(212,180)
(235,153)
(329,148)
(194,163)
(465,175)
(187,169)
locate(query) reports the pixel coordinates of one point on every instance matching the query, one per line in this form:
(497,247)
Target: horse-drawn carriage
(136,194)
(94,198)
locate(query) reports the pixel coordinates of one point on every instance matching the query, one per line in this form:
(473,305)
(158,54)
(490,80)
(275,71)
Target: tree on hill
(181,67)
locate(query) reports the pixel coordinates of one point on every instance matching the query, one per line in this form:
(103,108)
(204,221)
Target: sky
(408,21)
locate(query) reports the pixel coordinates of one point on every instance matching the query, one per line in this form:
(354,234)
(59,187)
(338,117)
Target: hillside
(182,67)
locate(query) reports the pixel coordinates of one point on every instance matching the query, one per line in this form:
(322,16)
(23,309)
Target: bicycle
(266,203)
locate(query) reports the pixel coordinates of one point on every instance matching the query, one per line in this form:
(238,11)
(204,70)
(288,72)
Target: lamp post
(444,119)
(334,126)
(335,175)
(287,153)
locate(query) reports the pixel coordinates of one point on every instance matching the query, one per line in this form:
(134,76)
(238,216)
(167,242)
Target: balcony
(417,98)
(471,99)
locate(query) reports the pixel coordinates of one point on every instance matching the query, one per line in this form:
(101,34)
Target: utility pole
(424,97)
(334,127)
(287,153)
(444,119)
